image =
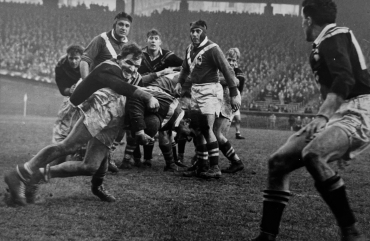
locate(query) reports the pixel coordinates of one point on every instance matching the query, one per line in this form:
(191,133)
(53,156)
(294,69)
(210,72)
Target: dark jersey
(168,112)
(241,77)
(202,64)
(166,59)
(338,63)
(65,75)
(106,75)
(103,47)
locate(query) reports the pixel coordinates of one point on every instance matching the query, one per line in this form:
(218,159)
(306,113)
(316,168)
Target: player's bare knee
(90,168)
(275,164)
(310,158)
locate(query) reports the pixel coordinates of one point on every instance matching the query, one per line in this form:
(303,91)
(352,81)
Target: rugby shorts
(207,98)
(104,115)
(68,116)
(353,116)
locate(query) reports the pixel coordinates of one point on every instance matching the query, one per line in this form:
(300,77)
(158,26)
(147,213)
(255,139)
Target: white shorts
(68,115)
(207,98)
(104,114)
(226,109)
(353,117)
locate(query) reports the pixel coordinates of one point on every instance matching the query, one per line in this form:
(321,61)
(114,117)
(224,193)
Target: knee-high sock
(181,146)
(274,203)
(167,153)
(202,155)
(334,194)
(130,148)
(213,153)
(137,153)
(174,151)
(148,151)
(229,152)
(98,178)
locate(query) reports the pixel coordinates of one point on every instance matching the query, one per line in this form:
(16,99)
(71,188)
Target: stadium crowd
(273,57)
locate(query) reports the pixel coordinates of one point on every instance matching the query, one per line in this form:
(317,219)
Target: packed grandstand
(274,55)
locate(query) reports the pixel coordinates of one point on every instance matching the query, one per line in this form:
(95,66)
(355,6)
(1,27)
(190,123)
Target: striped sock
(167,153)
(202,155)
(274,203)
(213,153)
(129,151)
(229,152)
(333,192)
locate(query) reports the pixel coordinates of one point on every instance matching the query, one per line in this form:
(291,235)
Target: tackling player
(341,129)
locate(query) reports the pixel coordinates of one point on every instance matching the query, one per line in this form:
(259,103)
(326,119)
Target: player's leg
(95,153)
(237,119)
(97,187)
(220,126)
(206,126)
(201,164)
(166,147)
(137,156)
(331,144)
(19,178)
(130,149)
(276,196)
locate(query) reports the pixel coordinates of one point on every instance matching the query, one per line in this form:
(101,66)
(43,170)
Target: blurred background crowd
(274,55)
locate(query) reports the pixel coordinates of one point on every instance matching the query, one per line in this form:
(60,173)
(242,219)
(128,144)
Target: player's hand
(165,72)
(235,102)
(72,89)
(153,104)
(178,89)
(143,139)
(313,127)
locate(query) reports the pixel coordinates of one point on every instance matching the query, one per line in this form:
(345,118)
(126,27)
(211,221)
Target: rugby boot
(352,234)
(235,166)
(170,167)
(17,189)
(33,186)
(103,194)
(213,172)
(147,163)
(137,162)
(239,136)
(126,164)
(264,237)
(180,163)
(195,170)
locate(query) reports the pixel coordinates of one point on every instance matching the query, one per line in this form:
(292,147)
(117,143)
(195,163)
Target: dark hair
(123,15)
(321,11)
(200,22)
(75,49)
(153,32)
(131,48)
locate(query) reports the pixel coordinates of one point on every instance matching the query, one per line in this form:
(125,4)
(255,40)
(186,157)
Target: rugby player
(159,61)
(339,131)
(104,47)
(98,126)
(203,60)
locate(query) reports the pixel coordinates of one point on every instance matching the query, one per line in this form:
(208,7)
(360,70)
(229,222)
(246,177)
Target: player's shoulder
(62,60)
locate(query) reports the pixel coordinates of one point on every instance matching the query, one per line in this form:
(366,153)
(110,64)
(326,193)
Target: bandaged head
(201,24)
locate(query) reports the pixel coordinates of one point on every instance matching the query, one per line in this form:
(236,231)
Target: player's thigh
(289,156)
(329,145)
(96,151)
(78,136)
